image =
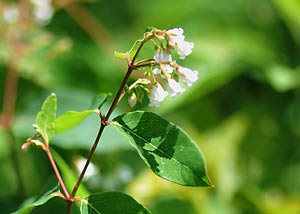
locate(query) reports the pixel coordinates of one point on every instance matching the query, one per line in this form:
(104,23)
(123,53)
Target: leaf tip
(207,181)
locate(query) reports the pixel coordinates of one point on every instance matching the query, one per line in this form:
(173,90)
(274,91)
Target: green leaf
(132,50)
(45,118)
(135,48)
(150,29)
(167,149)
(111,203)
(120,55)
(70,119)
(32,203)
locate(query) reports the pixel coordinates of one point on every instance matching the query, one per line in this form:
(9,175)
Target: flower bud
(132,100)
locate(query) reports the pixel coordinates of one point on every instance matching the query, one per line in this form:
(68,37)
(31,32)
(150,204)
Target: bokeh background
(244,112)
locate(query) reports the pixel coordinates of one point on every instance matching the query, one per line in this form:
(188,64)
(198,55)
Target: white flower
(184,48)
(189,76)
(176,40)
(156,71)
(174,87)
(157,95)
(168,68)
(42,11)
(175,35)
(163,56)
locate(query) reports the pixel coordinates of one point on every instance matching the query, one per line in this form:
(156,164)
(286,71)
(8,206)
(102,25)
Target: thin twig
(104,123)
(56,171)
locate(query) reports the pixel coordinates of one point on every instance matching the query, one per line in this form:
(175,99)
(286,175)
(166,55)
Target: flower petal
(174,87)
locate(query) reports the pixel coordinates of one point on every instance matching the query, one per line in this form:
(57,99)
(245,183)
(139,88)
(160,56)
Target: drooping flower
(189,76)
(176,40)
(157,95)
(162,56)
(174,87)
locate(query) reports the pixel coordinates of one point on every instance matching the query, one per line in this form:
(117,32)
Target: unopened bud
(132,100)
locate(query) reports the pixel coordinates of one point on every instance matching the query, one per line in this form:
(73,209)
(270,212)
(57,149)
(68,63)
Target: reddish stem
(56,171)
(104,123)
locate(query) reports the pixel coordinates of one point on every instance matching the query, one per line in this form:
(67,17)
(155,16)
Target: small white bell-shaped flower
(157,95)
(189,76)
(174,87)
(176,40)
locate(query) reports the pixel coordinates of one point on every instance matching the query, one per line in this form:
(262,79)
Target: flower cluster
(164,69)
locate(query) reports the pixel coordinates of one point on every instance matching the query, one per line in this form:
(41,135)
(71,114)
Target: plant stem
(104,120)
(56,171)
(73,193)
(101,129)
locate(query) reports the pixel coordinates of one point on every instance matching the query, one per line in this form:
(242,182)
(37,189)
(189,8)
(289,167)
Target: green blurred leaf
(70,119)
(45,118)
(31,204)
(290,12)
(111,203)
(283,78)
(167,149)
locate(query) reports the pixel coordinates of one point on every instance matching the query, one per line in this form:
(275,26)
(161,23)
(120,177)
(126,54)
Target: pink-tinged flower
(157,95)
(189,76)
(176,40)
(174,87)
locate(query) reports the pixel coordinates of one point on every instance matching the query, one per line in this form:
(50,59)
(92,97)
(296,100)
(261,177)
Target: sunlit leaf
(111,203)
(167,149)
(70,119)
(45,118)
(32,203)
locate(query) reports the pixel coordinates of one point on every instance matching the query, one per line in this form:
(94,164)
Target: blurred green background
(244,112)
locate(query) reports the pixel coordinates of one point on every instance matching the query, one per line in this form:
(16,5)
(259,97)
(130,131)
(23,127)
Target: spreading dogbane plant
(165,148)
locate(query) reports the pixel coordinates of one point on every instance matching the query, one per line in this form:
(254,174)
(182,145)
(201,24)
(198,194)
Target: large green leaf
(45,118)
(167,149)
(30,204)
(111,203)
(70,119)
